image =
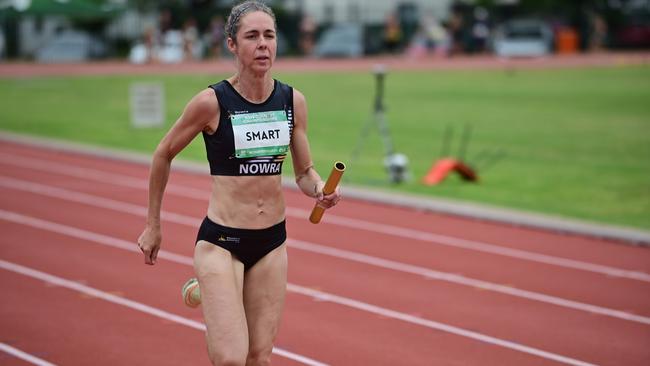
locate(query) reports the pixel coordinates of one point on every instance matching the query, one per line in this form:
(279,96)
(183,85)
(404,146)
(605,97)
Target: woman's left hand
(329,200)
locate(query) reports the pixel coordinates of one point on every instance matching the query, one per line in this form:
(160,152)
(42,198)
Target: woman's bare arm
(200,113)
(307,178)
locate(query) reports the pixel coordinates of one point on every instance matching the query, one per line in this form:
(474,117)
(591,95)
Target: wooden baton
(330,186)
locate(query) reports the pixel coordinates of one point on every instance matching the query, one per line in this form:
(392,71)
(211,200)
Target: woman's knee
(227,353)
(259,356)
(226,358)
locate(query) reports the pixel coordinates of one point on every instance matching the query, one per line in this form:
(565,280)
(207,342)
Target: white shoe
(192,293)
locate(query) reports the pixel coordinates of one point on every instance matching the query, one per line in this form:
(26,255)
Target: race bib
(260,134)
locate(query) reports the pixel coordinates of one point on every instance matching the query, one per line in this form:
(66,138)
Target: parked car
(71,46)
(523,38)
(341,40)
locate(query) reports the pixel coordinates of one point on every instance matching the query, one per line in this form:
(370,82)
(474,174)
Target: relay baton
(330,186)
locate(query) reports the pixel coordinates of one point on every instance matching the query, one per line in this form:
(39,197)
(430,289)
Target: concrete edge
(439,205)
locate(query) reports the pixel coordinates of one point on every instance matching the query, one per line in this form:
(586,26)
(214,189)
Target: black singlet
(252,138)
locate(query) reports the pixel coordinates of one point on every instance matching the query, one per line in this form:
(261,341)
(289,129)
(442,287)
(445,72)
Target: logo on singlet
(259,168)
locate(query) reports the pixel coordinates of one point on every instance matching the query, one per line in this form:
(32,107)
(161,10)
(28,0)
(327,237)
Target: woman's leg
(265,285)
(221,280)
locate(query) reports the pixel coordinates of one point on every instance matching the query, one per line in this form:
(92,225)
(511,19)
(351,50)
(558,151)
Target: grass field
(576,142)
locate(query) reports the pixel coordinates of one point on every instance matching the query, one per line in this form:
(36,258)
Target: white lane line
(127,181)
(87,235)
(463,280)
(478,246)
(98,175)
(316,294)
(320,296)
(58,281)
(106,203)
(23,355)
(92,200)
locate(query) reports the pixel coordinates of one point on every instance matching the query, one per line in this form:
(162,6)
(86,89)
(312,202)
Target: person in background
(190,39)
(216,36)
(307,35)
(392,33)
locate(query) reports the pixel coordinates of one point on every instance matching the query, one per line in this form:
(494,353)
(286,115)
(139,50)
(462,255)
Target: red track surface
(404,287)
(288,64)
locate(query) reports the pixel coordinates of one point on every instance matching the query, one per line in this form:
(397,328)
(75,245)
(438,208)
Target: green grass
(576,142)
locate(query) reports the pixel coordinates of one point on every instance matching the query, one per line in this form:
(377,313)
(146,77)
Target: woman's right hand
(149,244)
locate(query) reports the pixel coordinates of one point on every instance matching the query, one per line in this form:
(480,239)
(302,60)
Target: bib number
(260,134)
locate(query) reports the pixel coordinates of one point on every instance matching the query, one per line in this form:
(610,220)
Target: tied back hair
(238,11)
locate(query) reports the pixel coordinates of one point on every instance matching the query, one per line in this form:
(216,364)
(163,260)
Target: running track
(370,285)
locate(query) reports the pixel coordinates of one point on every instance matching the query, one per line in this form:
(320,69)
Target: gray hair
(238,11)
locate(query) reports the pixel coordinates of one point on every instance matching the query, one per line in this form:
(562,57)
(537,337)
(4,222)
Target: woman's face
(256,42)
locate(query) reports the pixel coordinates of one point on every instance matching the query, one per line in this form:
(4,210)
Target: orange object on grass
(443,167)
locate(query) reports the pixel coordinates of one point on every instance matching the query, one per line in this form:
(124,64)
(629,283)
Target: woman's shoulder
(204,102)
(298,97)
(219,85)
